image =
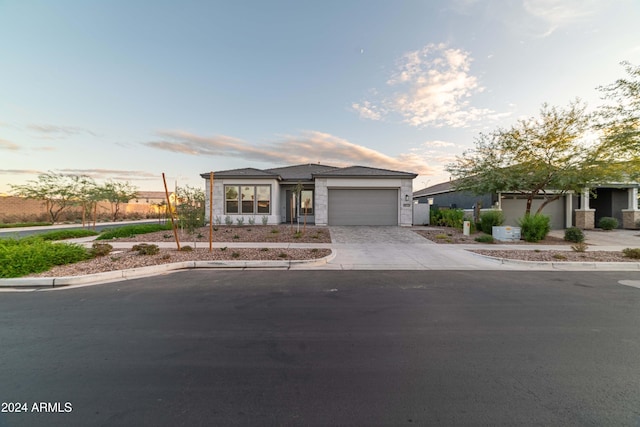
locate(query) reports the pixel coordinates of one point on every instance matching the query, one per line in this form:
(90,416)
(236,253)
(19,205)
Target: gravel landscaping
(126,259)
(446,235)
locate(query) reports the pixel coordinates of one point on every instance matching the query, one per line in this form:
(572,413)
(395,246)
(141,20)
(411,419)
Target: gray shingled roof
(443,187)
(242,173)
(308,172)
(365,172)
(301,172)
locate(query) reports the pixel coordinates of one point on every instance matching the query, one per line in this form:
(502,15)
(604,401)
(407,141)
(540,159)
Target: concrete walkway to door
(398,248)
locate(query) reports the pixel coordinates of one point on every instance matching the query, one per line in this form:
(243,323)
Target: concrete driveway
(398,248)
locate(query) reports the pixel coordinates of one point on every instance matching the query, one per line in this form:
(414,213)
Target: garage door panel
(363,207)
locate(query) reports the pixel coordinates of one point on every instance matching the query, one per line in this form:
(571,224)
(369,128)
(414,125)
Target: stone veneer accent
(630,218)
(586,218)
(406,212)
(322,201)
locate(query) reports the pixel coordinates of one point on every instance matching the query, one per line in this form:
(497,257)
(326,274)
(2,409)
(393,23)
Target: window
(264,199)
(247,199)
(231,199)
(306,202)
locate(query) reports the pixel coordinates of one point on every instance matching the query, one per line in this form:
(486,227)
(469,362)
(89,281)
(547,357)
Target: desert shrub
(608,223)
(490,219)
(632,253)
(240,220)
(19,258)
(559,257)
(573,234)
(186,248)
(146,249)
(580,247)
(486,238)
(534,227)
(132,230)
(252,220)
(265,220)
(100,249)
(228,220)
(235,255)
(217,220)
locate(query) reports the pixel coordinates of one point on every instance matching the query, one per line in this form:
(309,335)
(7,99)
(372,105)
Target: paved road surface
(327,348)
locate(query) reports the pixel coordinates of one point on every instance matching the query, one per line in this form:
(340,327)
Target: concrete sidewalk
(369,248)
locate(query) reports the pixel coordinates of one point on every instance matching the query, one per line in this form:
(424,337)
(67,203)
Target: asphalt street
(215,347)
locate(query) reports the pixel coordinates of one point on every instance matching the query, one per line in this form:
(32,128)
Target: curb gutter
(152,270)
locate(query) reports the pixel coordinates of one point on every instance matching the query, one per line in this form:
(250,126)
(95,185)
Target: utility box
(506,234)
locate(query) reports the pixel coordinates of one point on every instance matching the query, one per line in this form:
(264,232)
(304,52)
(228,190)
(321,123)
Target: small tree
(533,156)
(190,208)
(619,122)
(116,193)
(57,191)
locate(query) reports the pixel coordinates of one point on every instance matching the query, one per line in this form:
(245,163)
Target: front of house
(617,200)
(355,195)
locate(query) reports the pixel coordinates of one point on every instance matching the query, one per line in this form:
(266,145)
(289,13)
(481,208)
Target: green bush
(186,248)
(447,217)
(132,230)
(490,219)
(24,224)
(608,223)
(573,234)
(534,227)
(485,238)
(632,253)
(146,249)
(19,258)
(63,234)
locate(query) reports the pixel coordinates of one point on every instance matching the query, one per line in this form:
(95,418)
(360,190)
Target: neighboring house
(619,201)
(355,195)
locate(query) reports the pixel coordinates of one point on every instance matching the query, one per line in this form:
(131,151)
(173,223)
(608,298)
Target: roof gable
(301,172)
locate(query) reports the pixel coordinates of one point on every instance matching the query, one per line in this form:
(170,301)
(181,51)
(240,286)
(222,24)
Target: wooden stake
(211,212)
(173,223)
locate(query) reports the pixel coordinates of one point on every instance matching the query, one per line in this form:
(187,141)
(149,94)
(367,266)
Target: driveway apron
(397,248)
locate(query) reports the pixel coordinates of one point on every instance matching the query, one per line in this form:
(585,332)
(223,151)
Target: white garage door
(363,206)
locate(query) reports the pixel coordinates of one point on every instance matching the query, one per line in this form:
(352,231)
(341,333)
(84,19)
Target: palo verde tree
(57,191)
(547,156)
(116,193)
(619,123)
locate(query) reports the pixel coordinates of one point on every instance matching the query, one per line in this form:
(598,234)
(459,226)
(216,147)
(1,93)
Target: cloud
(438,144)
(8,145)
(430,87)
(115,174)
(556,14)
(53,130)
(99,174)
(308,147)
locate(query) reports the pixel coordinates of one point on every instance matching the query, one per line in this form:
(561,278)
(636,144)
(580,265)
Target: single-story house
(354,195)
(617,200)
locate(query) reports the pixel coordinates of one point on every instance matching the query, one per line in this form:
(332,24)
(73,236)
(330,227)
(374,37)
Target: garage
(363,206)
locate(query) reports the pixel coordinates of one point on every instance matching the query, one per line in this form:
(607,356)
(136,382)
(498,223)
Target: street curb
(563,265)
(152,270)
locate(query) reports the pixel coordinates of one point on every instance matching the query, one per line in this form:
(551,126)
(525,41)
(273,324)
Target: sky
(130,89)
